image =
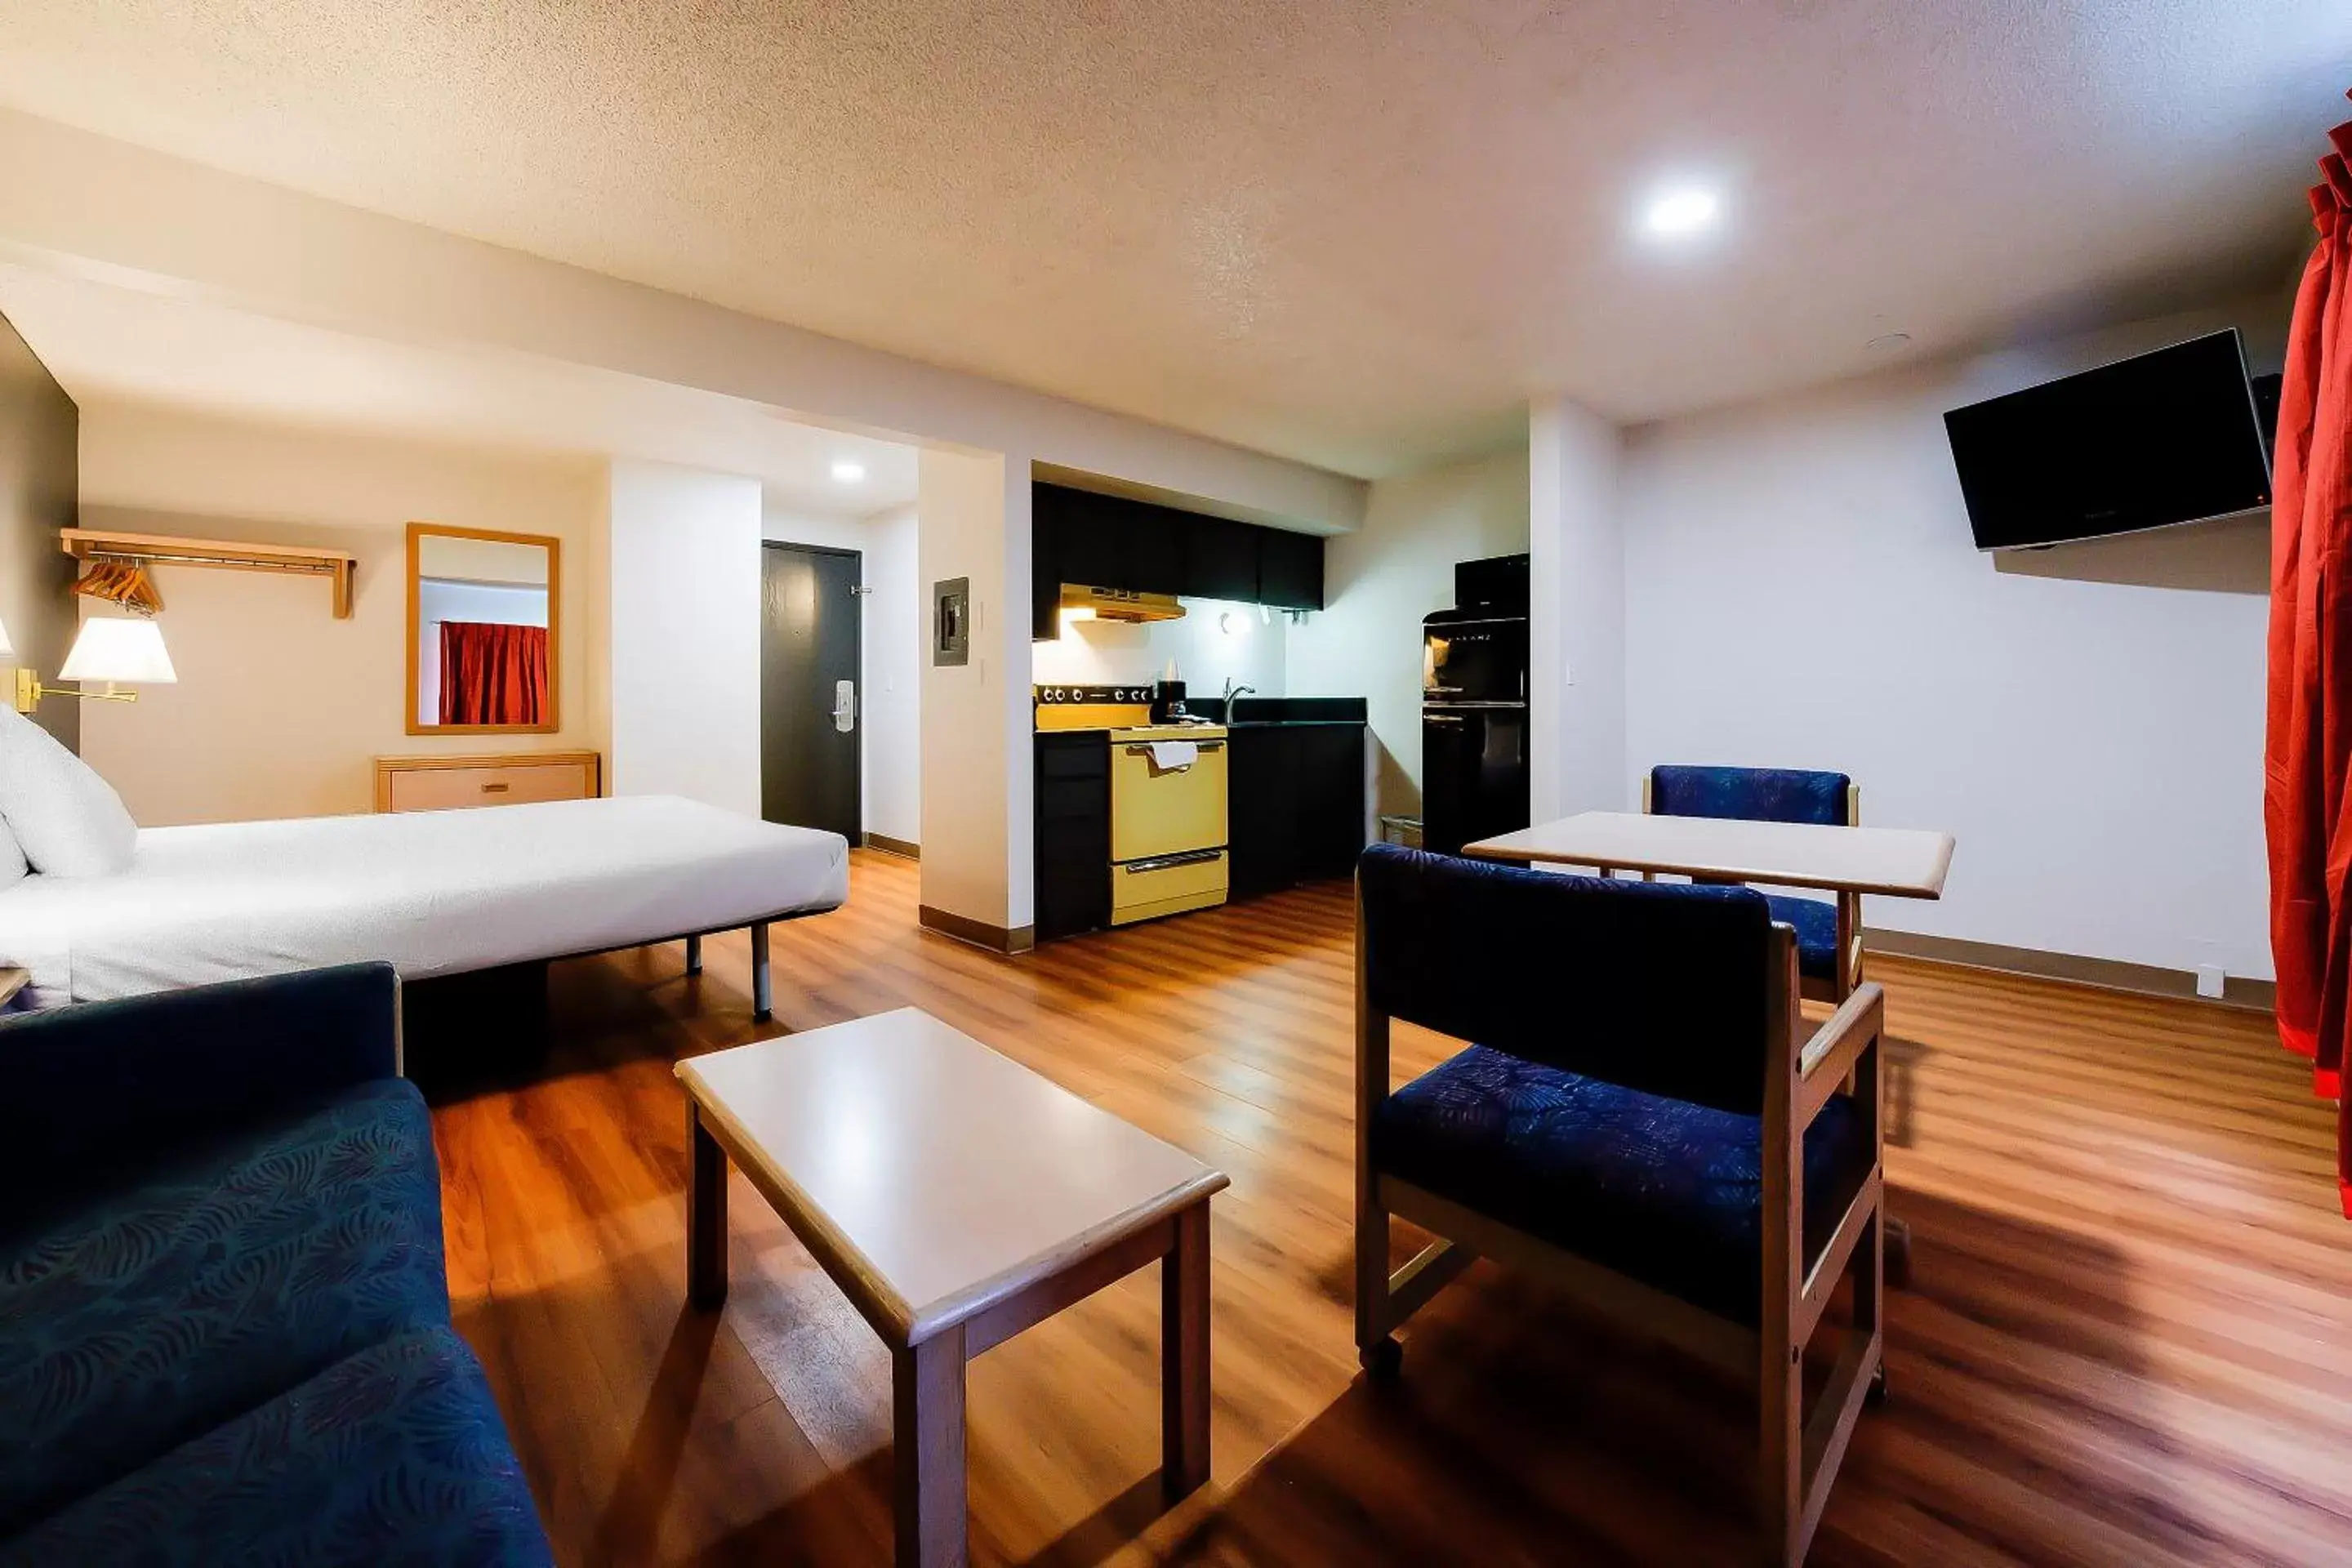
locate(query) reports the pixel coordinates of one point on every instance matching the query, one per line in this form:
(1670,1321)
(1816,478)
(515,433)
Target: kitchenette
(1172,772)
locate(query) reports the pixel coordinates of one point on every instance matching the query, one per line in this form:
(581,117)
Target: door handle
(845,706)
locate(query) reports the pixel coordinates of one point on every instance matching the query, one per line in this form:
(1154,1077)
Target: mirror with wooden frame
(484,623)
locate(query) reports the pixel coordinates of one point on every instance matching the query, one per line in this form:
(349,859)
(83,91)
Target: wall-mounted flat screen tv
(2169,436)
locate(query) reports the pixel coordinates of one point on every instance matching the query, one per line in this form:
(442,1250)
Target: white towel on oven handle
(1169,755)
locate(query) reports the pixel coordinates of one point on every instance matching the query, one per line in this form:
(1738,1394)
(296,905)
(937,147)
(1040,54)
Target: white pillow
(67,821)
(12,857)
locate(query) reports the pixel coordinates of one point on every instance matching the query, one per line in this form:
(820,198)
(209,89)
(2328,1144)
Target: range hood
(1119,605)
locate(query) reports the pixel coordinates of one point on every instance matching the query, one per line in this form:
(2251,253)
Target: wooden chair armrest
(1829,1057)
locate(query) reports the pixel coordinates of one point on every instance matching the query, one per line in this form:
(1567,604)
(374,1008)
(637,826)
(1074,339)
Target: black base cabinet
(1261,814)
(1295,805)
(1073,833)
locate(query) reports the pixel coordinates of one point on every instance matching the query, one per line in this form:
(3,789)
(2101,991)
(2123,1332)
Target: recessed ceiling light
(847,471)
(1679,212)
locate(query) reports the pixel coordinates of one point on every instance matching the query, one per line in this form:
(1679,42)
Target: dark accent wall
(39,481)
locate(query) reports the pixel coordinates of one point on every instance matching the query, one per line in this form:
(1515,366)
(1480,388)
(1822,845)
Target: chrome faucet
(1234,690)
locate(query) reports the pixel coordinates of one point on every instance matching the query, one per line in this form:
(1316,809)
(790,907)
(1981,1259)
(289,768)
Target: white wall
(77,203)
(1576,658)
(1216,640)
(684,593)
(896,615)
(977,765)
(1378,584)
(1803,591)
(280,709)
(890,637)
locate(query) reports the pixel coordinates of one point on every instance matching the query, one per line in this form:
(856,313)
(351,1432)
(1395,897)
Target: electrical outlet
(2212,981)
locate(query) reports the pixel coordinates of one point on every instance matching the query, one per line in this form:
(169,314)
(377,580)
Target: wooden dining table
(1848,862)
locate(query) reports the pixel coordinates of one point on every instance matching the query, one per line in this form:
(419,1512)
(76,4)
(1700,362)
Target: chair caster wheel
(1383,1360)
(1876,1395)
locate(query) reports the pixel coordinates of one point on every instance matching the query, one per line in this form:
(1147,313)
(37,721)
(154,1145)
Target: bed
(435,893)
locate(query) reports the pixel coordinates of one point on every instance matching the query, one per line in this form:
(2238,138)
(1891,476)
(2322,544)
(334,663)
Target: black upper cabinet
(1155,537)
(1110,541)
(1045,571)
(1089,539)
(1290,570)
(1220,560)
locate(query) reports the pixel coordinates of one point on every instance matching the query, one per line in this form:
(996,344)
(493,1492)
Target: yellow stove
(1167,800)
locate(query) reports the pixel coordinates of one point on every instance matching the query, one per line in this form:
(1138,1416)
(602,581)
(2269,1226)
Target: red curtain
(493,674)
(2307,807)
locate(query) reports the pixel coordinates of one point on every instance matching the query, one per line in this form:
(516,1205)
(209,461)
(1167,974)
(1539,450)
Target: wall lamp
(113,649)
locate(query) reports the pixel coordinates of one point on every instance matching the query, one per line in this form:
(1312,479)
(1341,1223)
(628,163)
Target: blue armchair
(1643,1119)
(1829,935)
(224,1328)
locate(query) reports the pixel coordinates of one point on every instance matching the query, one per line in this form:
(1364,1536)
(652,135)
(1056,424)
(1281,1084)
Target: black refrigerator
(1474,708)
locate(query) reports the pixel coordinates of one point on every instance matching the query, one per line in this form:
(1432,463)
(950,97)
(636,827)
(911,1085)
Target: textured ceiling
(1351,233)
(105,343)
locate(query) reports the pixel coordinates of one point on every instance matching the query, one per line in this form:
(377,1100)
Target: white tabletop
(943,1176)
(1905,862)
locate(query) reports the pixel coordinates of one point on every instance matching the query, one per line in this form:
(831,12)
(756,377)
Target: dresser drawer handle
(496,788)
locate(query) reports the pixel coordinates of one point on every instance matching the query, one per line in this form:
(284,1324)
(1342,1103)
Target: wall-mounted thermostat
(951,621)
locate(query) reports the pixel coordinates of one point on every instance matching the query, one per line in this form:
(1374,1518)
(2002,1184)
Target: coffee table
(956,1198)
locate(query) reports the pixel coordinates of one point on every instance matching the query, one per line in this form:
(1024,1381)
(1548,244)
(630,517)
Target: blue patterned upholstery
(390,1457)
(150,1072)
(223,1316)
(1667,1192)
(204,1287)
(1750,794)
(1489,952)
(1816,924)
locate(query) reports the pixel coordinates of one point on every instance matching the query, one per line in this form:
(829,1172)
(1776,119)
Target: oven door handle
(1143,749)
(1170,862)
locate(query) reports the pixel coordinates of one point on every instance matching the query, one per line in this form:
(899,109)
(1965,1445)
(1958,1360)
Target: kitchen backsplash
(1213,640)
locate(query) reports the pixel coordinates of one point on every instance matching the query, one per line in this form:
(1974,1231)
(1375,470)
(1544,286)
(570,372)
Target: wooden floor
(2128,1338)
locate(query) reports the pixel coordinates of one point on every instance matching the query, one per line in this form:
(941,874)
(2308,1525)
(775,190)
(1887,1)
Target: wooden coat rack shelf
(97,543)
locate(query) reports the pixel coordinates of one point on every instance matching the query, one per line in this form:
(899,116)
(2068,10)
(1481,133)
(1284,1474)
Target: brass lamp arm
(30,691)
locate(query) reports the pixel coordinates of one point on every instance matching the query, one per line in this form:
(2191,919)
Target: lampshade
(115,648)
(7,648)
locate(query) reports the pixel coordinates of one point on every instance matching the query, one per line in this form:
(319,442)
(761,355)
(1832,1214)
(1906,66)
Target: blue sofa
(225,1329)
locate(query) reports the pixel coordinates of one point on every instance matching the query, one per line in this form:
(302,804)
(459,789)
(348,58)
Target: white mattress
(436,892)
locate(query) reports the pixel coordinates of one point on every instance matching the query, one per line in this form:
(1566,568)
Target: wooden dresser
(438,782)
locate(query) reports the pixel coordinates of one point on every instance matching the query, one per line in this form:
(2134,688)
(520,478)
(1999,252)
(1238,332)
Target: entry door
(810,708)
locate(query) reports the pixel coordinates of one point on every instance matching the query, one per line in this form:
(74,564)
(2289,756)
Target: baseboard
(889,846)
(980,934)
(2110,974)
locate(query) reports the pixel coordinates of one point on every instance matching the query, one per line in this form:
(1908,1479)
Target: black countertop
(1267,713)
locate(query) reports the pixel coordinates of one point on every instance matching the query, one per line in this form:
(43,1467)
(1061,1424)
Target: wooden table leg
(926,1397)
(1185,1355)
(1899,1254)
(706,1215)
